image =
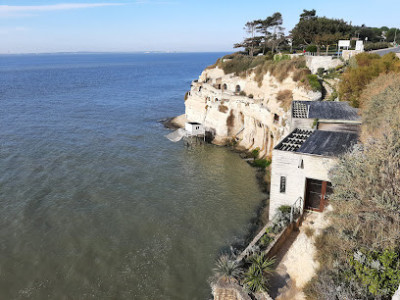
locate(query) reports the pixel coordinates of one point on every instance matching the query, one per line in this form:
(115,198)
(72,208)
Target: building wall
(286,163)
(302,124)
(343,127)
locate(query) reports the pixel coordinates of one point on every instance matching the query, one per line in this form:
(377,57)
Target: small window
(282,187)
(225,87)
(301,164)
(237,88)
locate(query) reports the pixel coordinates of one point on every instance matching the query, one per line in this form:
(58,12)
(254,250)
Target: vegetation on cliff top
(362,70)
(318,32)
(243,65)
(359,253)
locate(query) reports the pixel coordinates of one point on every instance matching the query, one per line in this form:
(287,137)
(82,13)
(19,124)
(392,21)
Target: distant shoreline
(111,52)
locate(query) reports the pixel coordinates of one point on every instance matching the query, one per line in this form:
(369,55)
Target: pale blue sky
(161,25)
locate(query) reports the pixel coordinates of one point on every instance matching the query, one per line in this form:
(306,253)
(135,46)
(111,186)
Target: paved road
(386,51)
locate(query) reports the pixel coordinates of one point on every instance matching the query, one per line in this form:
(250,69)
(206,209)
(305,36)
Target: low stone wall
(347,54)
(275,246)
(233,291)
(326,62)
(228,291)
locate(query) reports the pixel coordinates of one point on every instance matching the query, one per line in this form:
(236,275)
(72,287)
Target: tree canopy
(267,34)
(320,31)
(270,35)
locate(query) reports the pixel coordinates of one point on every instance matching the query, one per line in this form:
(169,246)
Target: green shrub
(312,48)
(320,72)
(362,70)
(256,278)
(261,163)
(366,205)
(376,46)
(315,123)
(286,209)
(227,269)
(266,239)
(238,63)
(255,152)
(379,271)
(280,57)
(314,83)
(242,93)
(333,96)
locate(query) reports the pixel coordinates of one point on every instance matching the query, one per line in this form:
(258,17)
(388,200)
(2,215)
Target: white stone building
(194,128)
(301,162)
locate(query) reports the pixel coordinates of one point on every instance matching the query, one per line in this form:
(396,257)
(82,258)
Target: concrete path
(295,263)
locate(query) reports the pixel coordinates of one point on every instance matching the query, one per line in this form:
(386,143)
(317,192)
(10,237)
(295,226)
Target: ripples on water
(95,202)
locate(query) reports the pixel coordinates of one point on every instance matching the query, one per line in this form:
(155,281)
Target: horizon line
(111,52)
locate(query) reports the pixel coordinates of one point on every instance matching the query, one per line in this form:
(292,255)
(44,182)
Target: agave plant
(227,269)
(256,278)
(255,281)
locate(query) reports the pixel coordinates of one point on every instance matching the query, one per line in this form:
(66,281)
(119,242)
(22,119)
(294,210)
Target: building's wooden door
(317,193)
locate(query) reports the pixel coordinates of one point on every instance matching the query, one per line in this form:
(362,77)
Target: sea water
(95,203)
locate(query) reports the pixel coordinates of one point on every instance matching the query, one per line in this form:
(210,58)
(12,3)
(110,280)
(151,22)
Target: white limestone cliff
(238,108)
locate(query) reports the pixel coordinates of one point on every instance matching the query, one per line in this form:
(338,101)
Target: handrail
(296,209)
(324,53)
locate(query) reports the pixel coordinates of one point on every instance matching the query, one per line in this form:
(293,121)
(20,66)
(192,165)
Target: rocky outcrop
(242,110)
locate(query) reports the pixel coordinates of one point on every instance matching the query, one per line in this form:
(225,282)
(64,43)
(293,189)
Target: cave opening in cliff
(237,89)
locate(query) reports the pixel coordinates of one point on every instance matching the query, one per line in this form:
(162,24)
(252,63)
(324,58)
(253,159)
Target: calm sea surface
(95,203)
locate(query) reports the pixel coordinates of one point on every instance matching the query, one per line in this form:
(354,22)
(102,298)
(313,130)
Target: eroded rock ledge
(241,110)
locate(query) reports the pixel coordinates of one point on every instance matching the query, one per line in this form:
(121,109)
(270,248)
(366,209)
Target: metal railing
(324,53)
(296,209)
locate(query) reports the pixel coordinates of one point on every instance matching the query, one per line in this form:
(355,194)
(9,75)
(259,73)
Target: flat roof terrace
(318,142)
(327,110)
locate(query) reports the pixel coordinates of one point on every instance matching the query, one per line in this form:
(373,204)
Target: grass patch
(238,64)
(314,83)
(222,108)
(309,231)
(280,67)
(261,163)
(285,97)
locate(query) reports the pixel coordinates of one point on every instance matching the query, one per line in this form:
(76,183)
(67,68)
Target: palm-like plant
(256,278)
(227,269)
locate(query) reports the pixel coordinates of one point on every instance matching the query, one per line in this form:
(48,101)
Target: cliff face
(253,114)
